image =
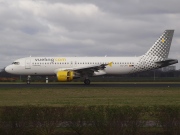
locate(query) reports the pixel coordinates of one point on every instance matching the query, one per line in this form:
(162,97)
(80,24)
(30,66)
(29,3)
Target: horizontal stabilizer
(167,62)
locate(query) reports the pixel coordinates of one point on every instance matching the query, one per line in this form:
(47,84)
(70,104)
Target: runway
(66,85)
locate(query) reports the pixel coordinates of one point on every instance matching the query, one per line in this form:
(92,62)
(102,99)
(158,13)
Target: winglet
(110,64)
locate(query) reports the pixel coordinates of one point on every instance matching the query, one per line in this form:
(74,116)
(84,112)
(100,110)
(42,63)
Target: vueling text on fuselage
(51,59)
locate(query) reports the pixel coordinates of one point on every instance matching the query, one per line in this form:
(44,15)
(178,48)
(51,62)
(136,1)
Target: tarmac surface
(91,85)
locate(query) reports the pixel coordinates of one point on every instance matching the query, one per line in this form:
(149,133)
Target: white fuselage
(51,65)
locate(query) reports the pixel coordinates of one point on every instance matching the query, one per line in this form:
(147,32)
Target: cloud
(84,28)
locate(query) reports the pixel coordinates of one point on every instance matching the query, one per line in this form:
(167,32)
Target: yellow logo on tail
(163,40)
(110,64)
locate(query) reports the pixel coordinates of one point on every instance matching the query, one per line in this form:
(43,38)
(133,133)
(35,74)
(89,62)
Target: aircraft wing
(89,70)
(93,67)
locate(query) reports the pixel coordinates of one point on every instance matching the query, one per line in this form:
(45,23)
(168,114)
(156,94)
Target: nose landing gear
(28,79)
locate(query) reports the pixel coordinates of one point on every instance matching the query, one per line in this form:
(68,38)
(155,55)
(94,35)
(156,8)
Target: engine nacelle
(65,76)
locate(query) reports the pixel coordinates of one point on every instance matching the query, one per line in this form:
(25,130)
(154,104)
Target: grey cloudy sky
(85,27)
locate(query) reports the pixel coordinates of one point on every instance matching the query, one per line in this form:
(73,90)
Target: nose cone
(8,69)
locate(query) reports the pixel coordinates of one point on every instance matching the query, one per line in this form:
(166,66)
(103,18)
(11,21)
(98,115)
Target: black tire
(87,81)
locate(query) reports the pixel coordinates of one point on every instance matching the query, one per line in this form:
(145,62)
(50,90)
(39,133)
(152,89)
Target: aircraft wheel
(87,81)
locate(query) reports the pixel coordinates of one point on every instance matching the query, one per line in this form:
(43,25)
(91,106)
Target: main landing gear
(87,81)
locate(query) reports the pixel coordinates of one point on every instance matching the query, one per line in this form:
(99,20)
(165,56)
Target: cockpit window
(16,63)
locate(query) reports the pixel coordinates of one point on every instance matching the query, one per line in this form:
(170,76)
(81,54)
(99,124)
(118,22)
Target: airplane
(69,68)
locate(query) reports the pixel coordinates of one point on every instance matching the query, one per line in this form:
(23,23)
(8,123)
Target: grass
(85,96)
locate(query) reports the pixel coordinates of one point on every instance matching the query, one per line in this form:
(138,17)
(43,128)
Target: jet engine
(65,76)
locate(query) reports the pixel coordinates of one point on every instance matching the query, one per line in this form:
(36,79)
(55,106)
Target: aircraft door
(75,63)
(28,63)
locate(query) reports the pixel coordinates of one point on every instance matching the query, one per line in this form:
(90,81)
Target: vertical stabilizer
(157,55)
(162,46)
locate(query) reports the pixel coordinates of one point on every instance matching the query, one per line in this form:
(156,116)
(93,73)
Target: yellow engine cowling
(65,76)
